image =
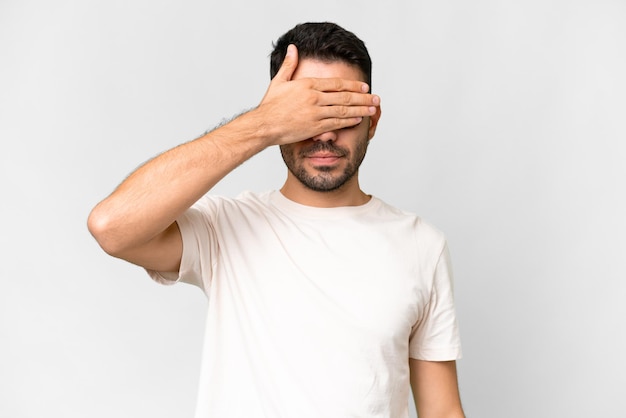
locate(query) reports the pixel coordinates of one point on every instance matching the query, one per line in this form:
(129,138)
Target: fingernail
(290,48)
(376,100)
(372,110)
(365,88)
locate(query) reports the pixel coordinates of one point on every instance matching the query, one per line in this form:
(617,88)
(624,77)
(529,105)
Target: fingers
(347,98)
(289,64)
(339,84)
(347,104)
(346,112)
(341,98)
(333,124)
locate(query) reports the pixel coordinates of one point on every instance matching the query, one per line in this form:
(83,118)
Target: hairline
(326,60)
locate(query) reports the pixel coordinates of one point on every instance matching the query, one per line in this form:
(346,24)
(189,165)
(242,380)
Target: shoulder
(217,209)
(218,203)
(428,238)
(422,227)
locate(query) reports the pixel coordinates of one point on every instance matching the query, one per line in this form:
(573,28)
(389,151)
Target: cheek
(354,137)
(294,149)
(289,153)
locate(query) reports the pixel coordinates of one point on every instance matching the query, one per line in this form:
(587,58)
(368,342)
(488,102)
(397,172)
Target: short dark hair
(323,41)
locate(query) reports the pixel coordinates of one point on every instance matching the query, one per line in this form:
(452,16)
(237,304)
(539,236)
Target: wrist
(242,137)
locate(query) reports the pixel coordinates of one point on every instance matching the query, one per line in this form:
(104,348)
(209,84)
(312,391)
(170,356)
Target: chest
(348,281)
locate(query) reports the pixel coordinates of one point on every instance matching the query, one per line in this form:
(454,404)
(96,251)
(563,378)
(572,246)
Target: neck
(350,194)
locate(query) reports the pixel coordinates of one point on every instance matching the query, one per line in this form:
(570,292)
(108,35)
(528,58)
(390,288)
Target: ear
(373,123)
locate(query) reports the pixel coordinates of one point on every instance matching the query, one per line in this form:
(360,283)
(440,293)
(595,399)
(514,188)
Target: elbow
(101,228)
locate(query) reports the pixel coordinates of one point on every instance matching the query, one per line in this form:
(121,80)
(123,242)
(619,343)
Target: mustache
(321,146)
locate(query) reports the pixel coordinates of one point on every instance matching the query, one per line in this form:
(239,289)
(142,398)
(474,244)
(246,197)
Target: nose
(326,136)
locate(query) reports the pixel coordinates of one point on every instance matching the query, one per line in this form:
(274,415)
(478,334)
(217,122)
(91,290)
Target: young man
(323,301)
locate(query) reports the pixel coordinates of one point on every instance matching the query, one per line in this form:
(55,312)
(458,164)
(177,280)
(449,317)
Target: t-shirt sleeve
(435,336)
(199,248)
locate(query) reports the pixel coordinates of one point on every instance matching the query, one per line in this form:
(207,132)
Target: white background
(503,124)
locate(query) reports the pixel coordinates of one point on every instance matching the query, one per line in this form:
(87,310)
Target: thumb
(289,64)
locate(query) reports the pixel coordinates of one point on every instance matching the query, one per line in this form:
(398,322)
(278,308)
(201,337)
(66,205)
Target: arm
(137,221)
(435,389)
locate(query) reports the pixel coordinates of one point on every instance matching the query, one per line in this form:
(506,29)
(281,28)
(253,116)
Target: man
(323,301)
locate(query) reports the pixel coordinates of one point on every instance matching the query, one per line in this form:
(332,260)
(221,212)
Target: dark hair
(325,42)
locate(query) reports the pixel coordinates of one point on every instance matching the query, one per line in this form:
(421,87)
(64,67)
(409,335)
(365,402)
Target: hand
(295,110)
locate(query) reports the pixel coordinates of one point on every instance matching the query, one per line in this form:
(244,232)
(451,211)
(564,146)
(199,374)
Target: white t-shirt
(314,312)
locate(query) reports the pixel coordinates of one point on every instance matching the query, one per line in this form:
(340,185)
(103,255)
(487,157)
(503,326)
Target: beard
(324,178)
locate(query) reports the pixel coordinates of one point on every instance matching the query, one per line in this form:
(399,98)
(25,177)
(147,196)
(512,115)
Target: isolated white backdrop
(503,124)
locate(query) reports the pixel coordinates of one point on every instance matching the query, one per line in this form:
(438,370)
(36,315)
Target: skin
(435,389)
(323,141)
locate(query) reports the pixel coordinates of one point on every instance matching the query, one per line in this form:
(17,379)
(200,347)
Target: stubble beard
(324,180)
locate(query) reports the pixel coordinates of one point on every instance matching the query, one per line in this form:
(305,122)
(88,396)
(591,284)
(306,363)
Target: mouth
(323,161)
(323,158)
(322,154)
(322,150)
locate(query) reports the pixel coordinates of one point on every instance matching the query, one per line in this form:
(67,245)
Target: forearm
(158,192)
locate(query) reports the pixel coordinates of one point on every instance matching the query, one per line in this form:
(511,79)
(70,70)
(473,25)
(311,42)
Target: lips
(322,155)
(318,160)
